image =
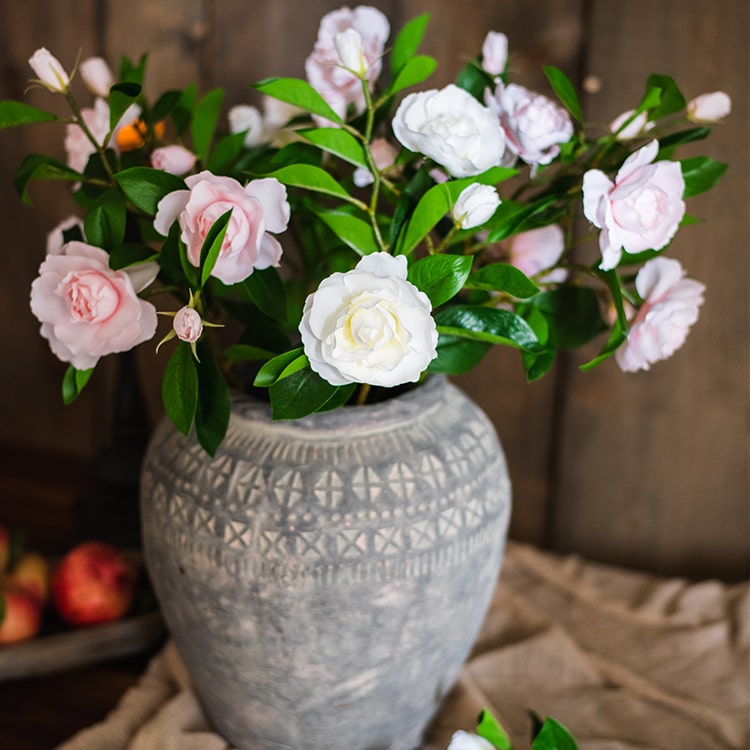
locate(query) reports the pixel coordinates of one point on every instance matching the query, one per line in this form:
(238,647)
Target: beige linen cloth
(625,660)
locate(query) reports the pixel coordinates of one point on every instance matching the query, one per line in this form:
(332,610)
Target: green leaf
(681,137)
(266,289)
(554,736)
(179,390)
(301,393)
(495,326)
(133,73)
(182,114)
(225,153)
(432,207)
(145,187)
(74,381)
(457,355)
(300,94)
(41,167)
(416,70)
(572,313)
(311,178)
(440,277)
(271,370)
(355,233)
(165,105)
(407,42)
(104,225)
(121,96)
(129,254)
(700,174)
(489,728)
(502,277)
(13,113)
(211,246)
(565,91)
(203,125)
(670,99)
(338,142)
(214,402)
(247,353)
(474,79)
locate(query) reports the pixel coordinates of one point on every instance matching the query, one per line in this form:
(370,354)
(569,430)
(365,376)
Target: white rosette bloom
(451,127)
(475,205)
(369,325)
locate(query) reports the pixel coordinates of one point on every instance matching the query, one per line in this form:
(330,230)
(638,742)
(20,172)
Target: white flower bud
(351,52)
(49,71)
(475,205)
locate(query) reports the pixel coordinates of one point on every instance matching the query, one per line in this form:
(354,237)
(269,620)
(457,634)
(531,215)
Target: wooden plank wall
(649,471)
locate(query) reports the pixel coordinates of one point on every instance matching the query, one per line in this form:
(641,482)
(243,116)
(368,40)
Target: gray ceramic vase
(324,579)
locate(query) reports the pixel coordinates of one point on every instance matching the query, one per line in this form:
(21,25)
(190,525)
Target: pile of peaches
(92,583)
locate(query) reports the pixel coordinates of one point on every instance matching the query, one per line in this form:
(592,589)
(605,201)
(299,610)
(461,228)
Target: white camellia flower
(466,741)
(451,127)
(351,51)
(369,325)
(475,205)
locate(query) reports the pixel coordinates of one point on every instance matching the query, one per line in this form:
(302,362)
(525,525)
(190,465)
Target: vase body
(324,579)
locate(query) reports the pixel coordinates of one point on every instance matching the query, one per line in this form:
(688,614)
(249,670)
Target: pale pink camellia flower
(641,210)
(56,238)
(626,131)
(661,325)
(49,71)
(78,147)
(97,76)
(187,324)
(495,53)
(369,325)
(534,125)
(383,154)
(466,741)
(537,250)
(86,309)
(174,159)
(452,128)
(338,86)
(710,107)
(475,205)
(257,208)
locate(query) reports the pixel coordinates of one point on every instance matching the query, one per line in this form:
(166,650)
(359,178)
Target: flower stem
(364,392)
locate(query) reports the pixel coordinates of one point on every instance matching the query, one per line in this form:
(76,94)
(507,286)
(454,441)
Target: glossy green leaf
(180,388)
(407,42)
(432,207)
(489,728)
(212,246)
(203,125)
(554,736)
(74,381)
(566,92)
(145,187)
(416,70)
(13,113)
(671,99)
(353,232)
(214,402)
(121,96)
(266,289)
(165,105)
(301,393)
(131,253)
(495,326)
(338,142)
(502,277)
(311,178)
(440,277)
(104,225)
(41,167)
(700,174)
(573,315)
(247,352)
(300,94)
(474,79)
(272,370)
(225,153)
(457,355)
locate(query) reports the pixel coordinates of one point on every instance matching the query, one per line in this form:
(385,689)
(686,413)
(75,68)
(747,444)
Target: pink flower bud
(710,107)
(97,76)
(495,53)
(49,71)
(188,324)
(174,159)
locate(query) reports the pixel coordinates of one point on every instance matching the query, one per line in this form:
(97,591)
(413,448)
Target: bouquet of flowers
(353,237)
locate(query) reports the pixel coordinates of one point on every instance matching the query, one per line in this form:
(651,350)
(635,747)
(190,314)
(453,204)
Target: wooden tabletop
(57,501)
